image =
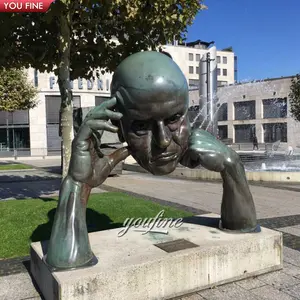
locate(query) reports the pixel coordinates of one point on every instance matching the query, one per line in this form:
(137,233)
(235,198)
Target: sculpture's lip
(167,156)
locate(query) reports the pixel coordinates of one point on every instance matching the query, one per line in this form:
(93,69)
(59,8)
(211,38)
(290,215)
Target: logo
(22,6)
(154,225)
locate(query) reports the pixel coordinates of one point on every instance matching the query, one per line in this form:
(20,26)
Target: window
(222,112)
(218,72)
(14,138)
(197,70)
(36,78)
(191,56)
(275,108)
(14,130)
(244,133)
(222,83)
(223,131)
(224,72)
(197,57)
(53,108)
(235,69)
(18,117)
(218,59)
(224,59)
(100,99)
(244,110)
(191,69)
(274,132)
(193,82)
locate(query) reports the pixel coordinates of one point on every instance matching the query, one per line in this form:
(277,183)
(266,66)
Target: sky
(264,34)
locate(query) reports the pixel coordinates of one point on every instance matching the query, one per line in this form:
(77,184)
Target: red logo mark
(21,6)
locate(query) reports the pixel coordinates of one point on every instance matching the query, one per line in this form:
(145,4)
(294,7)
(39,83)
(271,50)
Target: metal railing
(28,152)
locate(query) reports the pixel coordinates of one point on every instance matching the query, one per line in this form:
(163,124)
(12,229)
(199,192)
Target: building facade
(188,57)
(259,108)
(36,132)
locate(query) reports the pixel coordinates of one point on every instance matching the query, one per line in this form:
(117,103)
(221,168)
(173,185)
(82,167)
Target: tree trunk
(66,109)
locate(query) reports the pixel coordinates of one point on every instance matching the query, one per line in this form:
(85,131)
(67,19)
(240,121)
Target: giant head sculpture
(152,95)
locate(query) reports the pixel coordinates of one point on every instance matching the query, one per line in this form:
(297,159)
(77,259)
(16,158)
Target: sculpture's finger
(102,125)
(117,156)
(113,115)
(103,114)
(109,103)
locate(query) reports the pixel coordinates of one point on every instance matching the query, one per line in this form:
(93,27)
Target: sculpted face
(154,104)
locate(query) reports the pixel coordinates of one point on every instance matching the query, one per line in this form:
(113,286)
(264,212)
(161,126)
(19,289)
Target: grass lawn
(14,167)
(24,221)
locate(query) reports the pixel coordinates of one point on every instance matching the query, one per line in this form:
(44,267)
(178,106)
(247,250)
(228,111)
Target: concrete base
(134,267)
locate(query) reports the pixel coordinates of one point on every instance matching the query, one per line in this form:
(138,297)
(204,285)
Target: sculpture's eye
(175,118)
(140,127)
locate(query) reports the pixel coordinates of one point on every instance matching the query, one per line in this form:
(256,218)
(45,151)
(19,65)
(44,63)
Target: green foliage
(294,96)
(16,93)
(228,49)
(74,38)
(102,33)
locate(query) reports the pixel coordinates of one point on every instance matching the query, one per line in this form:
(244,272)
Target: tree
(294,97)
(16,93)
(228,49)
(76,37)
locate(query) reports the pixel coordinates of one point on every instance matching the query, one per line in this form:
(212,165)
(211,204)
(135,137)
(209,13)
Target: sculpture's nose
(162,135)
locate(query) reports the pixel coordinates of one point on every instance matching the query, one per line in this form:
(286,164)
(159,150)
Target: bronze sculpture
(148,110)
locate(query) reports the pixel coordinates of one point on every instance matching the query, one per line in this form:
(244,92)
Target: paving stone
(228,292)
(293,291)
(279,279)
(295,230)
(291,256)
(17,286)
(290,269)
(251,283)
(193,297)
(268,292)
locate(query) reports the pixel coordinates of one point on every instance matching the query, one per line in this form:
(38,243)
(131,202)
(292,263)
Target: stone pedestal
(140,266)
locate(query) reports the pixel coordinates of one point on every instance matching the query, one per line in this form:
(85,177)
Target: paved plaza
(278,207)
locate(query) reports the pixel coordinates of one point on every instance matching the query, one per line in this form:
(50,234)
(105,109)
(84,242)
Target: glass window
(244,110)
(36,78)
(222,112)
(53,107)
(223,132)
(191,56)
(224,59)
(224,72)
(218,59)
(191,69)
(14,138)
(218,72)
(244,133)
(198,57)
(274,132)
(100,99)
(275,108)
(197,70)
(222,83)
(18,117)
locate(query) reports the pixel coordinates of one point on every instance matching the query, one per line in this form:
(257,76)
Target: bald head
(149,77)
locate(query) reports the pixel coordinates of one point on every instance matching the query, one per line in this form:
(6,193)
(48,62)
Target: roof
(197,42)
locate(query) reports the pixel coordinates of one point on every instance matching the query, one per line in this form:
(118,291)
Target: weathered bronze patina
(148,110)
